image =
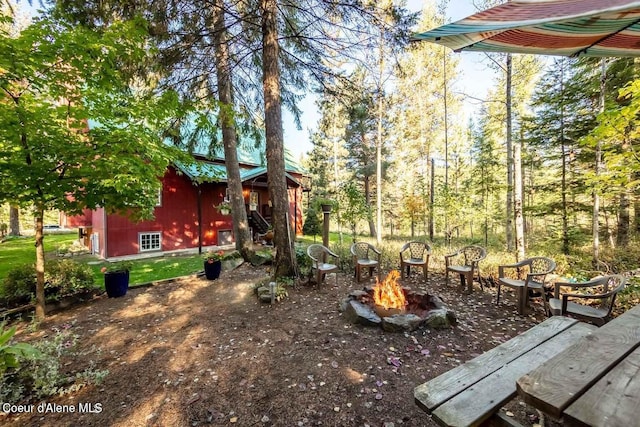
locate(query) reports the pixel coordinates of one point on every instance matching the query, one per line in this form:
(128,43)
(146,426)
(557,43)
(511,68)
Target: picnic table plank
(480,401)
(558,382)
(433,393)
(613,400)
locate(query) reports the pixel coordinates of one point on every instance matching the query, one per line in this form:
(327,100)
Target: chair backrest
(473,254)
(611,285)
(317,253)
(360,250)
(417,250)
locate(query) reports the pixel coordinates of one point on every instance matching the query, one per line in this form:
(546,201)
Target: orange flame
(388,293)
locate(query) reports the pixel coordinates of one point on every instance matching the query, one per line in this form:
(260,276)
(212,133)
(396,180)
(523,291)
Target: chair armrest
(332,253)
(565,298)
(516,265)
(375,250)
(588,296)
(452,255)
(501,268)
(447,258)
(575,285)
(403,249)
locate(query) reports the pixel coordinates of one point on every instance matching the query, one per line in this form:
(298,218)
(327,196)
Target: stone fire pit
(422,309)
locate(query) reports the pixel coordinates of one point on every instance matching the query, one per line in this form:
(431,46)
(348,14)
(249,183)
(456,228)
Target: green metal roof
(208,150)
(200,171)
(207,171)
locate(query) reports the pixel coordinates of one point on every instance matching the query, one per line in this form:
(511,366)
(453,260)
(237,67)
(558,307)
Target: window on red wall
(149,241)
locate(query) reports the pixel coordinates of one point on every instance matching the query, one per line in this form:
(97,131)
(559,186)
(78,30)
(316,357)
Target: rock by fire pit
(420,309)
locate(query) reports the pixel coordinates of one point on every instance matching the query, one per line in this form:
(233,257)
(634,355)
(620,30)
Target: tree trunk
(229,137)
(565,213)
(432,200)
(595,218)
(40,301)
(367,198)
(636,210)
(517,199)
(563,148)
(510,163)
(285,262)
(14,221)
(622,237)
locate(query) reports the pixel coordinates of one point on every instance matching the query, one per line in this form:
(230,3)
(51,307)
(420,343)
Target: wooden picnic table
(594,382)
(474,392)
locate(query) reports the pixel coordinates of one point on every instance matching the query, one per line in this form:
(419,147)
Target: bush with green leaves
(69,277)
(303,260)
(311,225)
(62,278)
(20,282)
(39,373)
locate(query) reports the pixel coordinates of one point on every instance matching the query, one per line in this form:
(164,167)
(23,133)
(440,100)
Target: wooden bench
(473,393)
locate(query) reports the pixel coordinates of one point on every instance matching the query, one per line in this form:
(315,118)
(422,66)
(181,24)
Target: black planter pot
(212,269)
(116,283)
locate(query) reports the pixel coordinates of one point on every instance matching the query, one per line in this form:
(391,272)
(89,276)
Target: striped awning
(547,27)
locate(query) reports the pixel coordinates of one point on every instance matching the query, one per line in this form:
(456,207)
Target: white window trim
(149,233)
(159,201)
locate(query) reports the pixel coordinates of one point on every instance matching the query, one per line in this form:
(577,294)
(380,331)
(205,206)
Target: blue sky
(475,79)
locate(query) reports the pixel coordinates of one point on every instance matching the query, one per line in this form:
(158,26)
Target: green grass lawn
(151,269)
(21,250)
(18,251)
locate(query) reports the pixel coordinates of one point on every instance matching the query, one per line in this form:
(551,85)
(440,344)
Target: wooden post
(326,210)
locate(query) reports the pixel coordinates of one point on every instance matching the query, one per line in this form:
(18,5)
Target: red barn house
(186,217)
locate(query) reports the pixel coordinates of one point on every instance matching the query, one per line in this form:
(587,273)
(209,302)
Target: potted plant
(224,207)
(213,264)
(325,205)
(116,278)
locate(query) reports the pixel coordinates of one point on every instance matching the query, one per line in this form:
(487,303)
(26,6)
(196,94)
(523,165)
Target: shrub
(20,282)
(311,223)
(68,277)
(64,277)
(303,260)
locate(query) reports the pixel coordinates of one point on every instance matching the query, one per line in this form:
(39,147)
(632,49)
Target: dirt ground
(197,352)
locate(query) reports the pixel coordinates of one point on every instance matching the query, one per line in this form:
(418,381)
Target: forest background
(448,178)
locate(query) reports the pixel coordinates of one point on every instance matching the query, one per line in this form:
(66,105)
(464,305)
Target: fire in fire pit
(388,296)
(396,308)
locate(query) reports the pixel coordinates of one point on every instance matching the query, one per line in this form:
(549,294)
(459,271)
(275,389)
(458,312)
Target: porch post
(199,198)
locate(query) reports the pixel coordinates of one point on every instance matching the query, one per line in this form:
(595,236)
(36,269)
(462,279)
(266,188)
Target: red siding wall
(176,219)
(76,220)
